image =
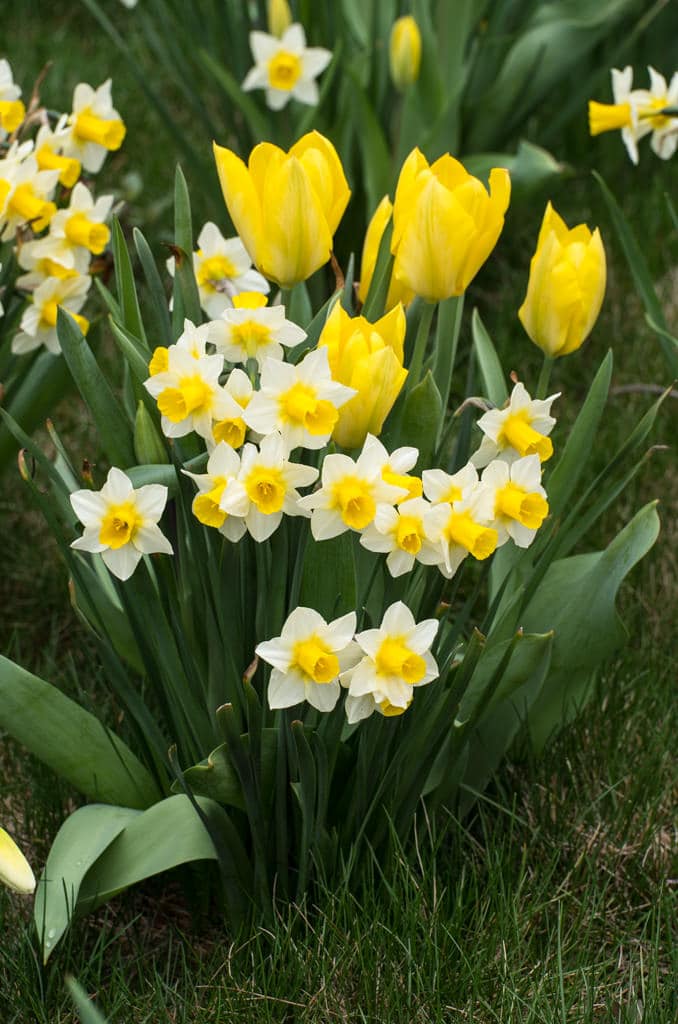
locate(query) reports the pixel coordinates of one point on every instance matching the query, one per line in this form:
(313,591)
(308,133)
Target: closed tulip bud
(369,358)
(566,286)
(445,224)
(405,52)
(285,206)
(397,292)
(279,17)
(15,871)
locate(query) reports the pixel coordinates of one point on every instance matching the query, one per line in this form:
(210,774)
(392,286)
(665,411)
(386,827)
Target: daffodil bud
(405,52)
(15,871)
(279,17)
(367,357)
(445,224)
(375,231)
(566,286)
(285,206)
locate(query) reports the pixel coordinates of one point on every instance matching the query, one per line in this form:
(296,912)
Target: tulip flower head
(15,871)
(285,67)
(639,112)
(445,224)
(253,330)
(95,126)
(367,357)
(307,659)
(121,523)
(520,505)
(566,286)
(39,320)
(397,658)
(285,206)
(405,52)
(519,429)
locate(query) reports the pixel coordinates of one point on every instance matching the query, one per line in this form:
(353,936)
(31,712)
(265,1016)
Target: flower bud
(15,871)
(279,17)
(566,286)
(405,52)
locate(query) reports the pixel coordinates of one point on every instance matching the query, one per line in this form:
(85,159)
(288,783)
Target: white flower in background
(38,323)
(12,110)
(232,427)
(520,505)
(299,401)
(286,68)
(223,269)
(15,871)
(411,532)
(520,429)
(397,658)
(95,126)
(121,523)
(223,466)
(351,491)
(129,4)
(25,192)
(36,258)
(307,659)
(48,145)
(253,330)
(81,225)
(266,487)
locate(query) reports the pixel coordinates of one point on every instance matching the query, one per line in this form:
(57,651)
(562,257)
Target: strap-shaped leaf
(491,371)
(85,1007)
(125,284)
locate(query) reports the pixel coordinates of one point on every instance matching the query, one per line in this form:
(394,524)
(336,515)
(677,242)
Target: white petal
(339,633)
(285,690)
(276,652)
(322,696)
(315,60)
(89,506)
(118,487)
(123,561)
(397,620)
(150,540)
(150,501)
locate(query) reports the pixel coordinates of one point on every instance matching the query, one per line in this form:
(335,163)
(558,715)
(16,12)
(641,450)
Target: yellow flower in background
(566,286)
(15,871)
(445,224)
(367,357)
(397,292)
(279,17)
(405,52)
(285,206)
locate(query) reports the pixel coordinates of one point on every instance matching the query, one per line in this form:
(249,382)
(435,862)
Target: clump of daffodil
(12,110)
(285,206)
(566,286)
(521,428)
(445,224)
(367,357)
(302,402)
(223,466)
(639,112)
(285,67)
(519,500)
(39,319)
(121,523)
(397,292)
(94,126)
(396,659)
(307,659)
(351,491)
(252,330)
(405,52)
(15,871)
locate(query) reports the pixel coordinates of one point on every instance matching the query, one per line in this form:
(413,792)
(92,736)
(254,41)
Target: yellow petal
(15,871)
(241,199)
(321,162)
(297,240)
(378,379)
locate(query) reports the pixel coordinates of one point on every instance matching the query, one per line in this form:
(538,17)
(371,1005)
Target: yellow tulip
(566,286)
(285,206)
(445,224)
(279,17)
(368,357)
(15,871)
(405,52)
(397,292)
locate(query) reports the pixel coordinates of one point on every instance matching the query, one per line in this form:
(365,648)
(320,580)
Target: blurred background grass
(555,902)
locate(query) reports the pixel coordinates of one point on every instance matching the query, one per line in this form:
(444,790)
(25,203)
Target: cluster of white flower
(36,176)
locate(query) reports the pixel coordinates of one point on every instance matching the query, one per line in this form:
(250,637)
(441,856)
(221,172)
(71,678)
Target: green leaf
(71,741)
(125,285)
(184,278)
(132,351)
(445,351)
(256,121)
(217,778)
(47,381)
(531,167)
(86,1009)
(158,311)
(328,578)
(114,428)
(491,371)
(80,841)
(422,417)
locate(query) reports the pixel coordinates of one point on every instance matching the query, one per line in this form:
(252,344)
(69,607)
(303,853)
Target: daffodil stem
(423,331)
(544,377)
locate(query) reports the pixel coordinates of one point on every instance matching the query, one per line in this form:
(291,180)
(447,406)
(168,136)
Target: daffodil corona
(639,112)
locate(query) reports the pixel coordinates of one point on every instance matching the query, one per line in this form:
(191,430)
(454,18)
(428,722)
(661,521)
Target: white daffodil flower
(266,487)
(396,471)
(286,68)
(520,505)
(25,192)
(520,429)
(15,871)
(397,658)
(121,522)
(411,532)
(638,112)
(223,467)
(12,110)
(307,659)
(467,529)
(445,487)
(36,258)
(232,428)
(95,127)
(80,226)
(252,330)
(38,323)
(48,145)
(351,491)
(301,401)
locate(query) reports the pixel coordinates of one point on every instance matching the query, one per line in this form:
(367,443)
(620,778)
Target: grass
(554,903)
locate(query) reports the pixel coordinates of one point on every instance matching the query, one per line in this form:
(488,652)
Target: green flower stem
(544,376)
(423,331)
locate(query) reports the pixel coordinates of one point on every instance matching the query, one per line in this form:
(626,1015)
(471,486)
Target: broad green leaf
(422,417)
(216,777)
(71,741)
(328,579)
(491,371)
(526,656)
(82,838)
(531,167)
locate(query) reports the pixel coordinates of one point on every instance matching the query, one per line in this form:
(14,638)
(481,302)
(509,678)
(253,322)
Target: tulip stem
(423,331)
(544,376)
